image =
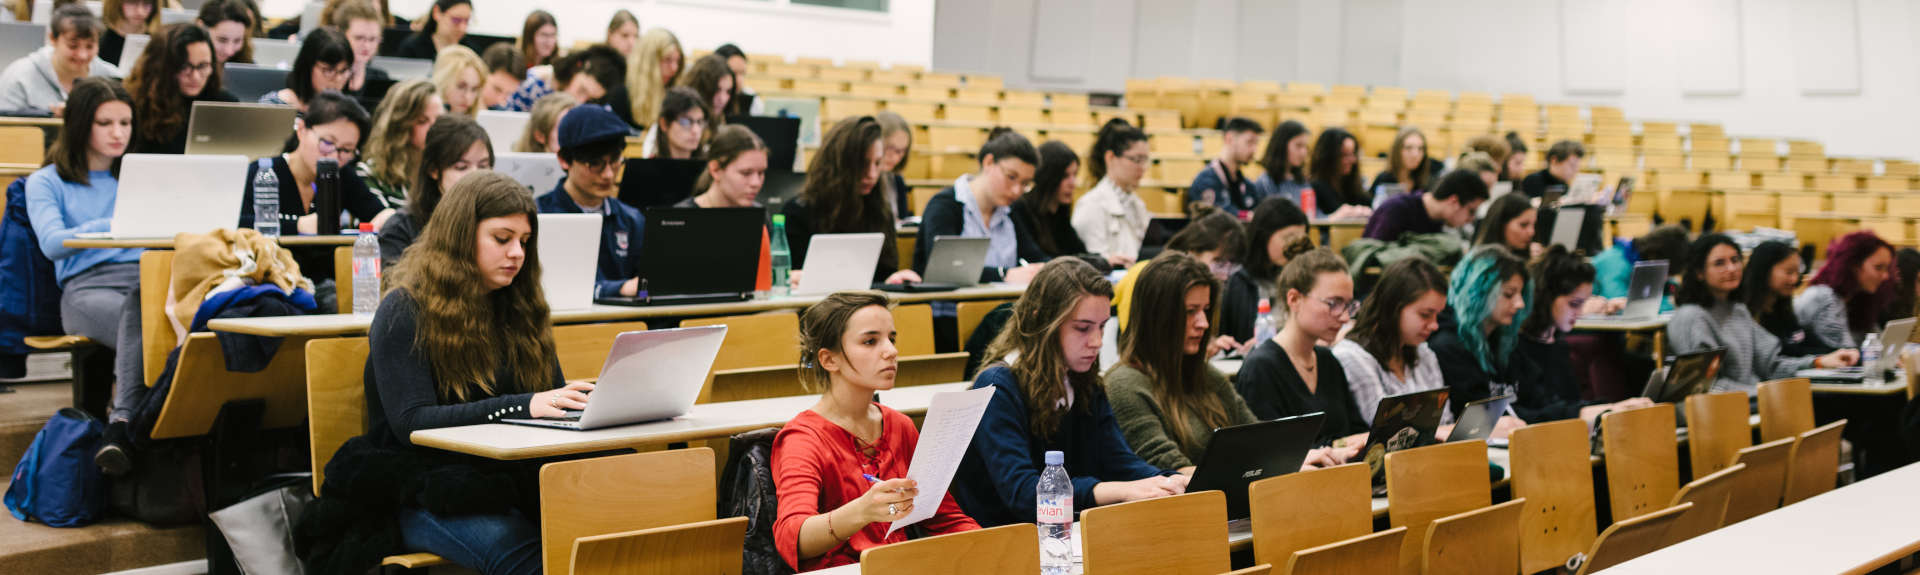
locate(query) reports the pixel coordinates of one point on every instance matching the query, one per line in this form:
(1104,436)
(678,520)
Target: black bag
(747,490)
(165,486)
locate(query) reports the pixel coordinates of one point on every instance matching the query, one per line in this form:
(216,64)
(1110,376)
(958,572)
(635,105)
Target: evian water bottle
(1055,509)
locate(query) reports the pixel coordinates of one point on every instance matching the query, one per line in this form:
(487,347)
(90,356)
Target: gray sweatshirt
(1752,355)
(1824,316)
(30,83)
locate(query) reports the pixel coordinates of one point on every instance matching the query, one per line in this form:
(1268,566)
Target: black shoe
(115,455)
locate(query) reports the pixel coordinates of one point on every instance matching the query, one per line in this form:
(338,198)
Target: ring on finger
(891,510)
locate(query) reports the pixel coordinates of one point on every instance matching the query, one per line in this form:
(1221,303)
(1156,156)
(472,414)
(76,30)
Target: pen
(870,477)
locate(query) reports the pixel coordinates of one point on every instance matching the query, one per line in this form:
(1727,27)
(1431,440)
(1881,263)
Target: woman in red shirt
(829,510)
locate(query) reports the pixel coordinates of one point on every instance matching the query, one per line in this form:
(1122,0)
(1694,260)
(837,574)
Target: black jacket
(1536,184)
(1028,222)
(1461,370)
(946,216)
(1241,306)
(1546,387)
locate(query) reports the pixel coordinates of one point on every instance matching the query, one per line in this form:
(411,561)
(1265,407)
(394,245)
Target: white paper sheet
(951,420)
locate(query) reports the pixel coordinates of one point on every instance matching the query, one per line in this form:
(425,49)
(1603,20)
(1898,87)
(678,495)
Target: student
(1563,164)
(1509,224)
(586,75)
(710,77)
(623,32)
(680,131)
(897,146)
(1497,150)
(826,460)
(400,128)
(229,23)
(506,68)
(1479,163)
(1407,166)
(1044,212)
(74,194)
(1284,164)
(1220,184)
(1277,223)
(459,74)
(1516,158)
(543,124)
(1214,237)
(979,205)
(1111,219)
(1335,170)
(1165,396)
(539,42)
(745,102)
(174,71)
(433,362)
(334,126)
(736,170)
(843,195)
(324,64)
(1767,288)
(1613,268)
(1048,396)
(1541,366)
(1486,302)
(1903,306)
(41,80)
(1844,301)
(1291,374)
(455,146)
(591,142)
(125,18)
(1451,204)
(651,68)
(446,26)
(1710,317)
(1387,352)
(359,21)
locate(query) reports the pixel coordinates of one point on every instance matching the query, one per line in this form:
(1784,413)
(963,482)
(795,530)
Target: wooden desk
(1893,386)
(1657,325)
(1853,529)
(35,122)
(167,243)
(705,421)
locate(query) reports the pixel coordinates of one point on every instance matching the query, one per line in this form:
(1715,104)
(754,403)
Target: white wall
(1843,72)
(904,34)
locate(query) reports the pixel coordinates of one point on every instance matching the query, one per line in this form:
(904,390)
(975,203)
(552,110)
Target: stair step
(24,412)
(113,545)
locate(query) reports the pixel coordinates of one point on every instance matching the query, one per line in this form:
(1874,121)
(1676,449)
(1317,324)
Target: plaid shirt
(532,90)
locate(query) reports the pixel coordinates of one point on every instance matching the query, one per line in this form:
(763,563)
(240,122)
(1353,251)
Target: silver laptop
(169,17)
(569,254)
(956,261)
(541,173)
(1567,226)
(1892,339)
(1645,288)
(1384,192)
(649,375)
(403,69)
(277,54)
(228,128)
(130,52)
(504,128)
(19,39)
(839,262)
(162,194)
(310,17)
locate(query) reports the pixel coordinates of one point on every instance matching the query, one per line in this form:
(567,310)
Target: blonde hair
(1477,161)
(448,65)
(546,113)
(393,122)
(643,73)
(112,15)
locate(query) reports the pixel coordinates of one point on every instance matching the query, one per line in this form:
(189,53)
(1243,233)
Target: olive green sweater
(1147,429)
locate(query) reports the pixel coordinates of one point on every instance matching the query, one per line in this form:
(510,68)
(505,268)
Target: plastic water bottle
(1263,325)
(1306,202)
(1055,509)
(266,200)
(782,258)
(1869,354)
(366,271)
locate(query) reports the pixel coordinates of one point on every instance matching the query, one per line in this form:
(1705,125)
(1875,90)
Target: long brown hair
(1154,343)
(536,20)
(467,332)
(704,75)
(1419,178)
(162,110)
(1377,329)
(1034,332)
(69,153)
(824,327)
(447,141)
(832,190)
(390,146)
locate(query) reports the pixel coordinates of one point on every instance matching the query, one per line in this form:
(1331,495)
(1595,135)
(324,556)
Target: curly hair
(1556,274)
(162,110)
(1033,331)
(1475,286)
(390,145)
(1845,256)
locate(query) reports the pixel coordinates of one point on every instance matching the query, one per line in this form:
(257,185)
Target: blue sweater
(997,477)
(620,231)
(60,209)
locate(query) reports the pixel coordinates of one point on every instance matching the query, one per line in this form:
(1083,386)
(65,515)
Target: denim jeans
(497,544)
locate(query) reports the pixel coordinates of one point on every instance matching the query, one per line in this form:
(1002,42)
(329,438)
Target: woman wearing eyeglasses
(979,205)
(1111,219)
(1291,374)
(680,131)
(334,127)
(174,71)
(325,64)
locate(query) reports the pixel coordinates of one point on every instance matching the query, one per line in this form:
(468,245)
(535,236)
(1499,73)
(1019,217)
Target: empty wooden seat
(1309,509)
(1709,496)
(1261,569)
(1786,408)
(1485,540)
(1552,470)
(1003,549)
(1643,463)
(1758,489)
(762,340)
(1815,463)
(1375,553)
(914,323)
(1627,539)
(1182,534)
(1717,429)
(1427,483)
(707,547)
(971,312)
(621,493)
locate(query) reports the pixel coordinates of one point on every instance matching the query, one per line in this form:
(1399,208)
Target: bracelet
(830,533)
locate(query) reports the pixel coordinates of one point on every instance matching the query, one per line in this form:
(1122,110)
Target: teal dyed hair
(1475,284)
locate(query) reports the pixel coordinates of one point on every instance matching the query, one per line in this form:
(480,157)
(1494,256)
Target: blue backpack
(57,482)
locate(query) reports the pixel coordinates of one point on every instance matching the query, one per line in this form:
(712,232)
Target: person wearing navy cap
(591,142)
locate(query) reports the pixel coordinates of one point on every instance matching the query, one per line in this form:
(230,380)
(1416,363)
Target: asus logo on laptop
(1250,474)
(673,223)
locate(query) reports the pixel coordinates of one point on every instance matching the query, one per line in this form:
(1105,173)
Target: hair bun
(1300,245)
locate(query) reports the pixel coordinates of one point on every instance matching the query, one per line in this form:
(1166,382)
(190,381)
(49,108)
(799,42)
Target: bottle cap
(366,227)
(780,219)
(1265,307)
(1056,458)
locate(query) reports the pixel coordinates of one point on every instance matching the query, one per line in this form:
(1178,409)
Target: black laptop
(249,82)
(1402,421)
(697,255)
(1478,418)
(651,183)
(1686,374)
(781,134)
(1240,455)
(782,186)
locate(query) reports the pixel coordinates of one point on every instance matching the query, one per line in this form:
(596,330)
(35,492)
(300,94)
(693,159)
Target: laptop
(649,376)
(503,127)
(781,134)
(1645,288)
(1622,195)
(954,263)
(1242,454)
(541,173)
(658,182)
(309,18)
(1686,375)
(1384,192)
(163,194)
(807,110)
(839,262)
(1892,339)
(130,52)
(403,69)
(1402,421)
(1478,417)
(169,17)
(20,39)
(698,255)
(249,82)
(569,258)
(227,128)
(781,186)
(1566,227)
(277,54)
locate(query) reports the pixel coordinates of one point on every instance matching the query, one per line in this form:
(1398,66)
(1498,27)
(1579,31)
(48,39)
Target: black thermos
(326,197)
